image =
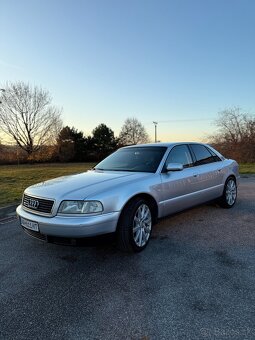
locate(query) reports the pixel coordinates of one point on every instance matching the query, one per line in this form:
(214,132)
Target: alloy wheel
(231,192)
(142,224)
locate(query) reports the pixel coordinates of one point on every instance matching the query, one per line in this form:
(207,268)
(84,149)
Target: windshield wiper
(101,169)
(114,169)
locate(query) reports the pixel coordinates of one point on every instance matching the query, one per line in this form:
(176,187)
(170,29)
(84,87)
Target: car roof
(166,144)
(171,144)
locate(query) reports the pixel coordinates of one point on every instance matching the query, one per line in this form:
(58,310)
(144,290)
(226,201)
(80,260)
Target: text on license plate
(29,224)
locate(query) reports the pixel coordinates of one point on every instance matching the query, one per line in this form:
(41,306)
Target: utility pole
(155,125)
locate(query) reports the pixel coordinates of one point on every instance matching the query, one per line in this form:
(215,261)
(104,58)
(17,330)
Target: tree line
(71,145)
(29,119)
(235,135)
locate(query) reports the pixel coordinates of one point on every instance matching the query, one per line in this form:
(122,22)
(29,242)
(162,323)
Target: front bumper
(73,227)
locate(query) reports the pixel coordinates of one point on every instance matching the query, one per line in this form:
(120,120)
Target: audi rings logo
(32,203)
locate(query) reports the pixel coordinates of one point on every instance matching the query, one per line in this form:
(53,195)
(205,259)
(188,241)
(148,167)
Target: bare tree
(236,134)
(234,125)
(27,116)
(133,132)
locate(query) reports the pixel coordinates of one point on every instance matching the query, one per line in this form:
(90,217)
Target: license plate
(29,224)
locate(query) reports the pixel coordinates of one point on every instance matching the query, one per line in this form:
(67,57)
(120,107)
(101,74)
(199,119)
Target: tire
(228,199)
(135,225)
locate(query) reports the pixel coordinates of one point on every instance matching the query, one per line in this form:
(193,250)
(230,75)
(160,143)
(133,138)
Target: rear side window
(202,154)
(180,154)
(215,157)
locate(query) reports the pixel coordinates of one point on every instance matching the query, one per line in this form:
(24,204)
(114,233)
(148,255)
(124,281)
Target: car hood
(80,186)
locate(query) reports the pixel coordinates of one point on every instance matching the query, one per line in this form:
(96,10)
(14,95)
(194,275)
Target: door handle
(195,175)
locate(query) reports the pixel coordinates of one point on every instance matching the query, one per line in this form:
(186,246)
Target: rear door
(208,171)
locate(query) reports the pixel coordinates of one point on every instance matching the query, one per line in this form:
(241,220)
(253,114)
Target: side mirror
(174,167)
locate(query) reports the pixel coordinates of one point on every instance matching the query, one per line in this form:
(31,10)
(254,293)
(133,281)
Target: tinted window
(202,154)
(215,157)
(180,154)
(141,159)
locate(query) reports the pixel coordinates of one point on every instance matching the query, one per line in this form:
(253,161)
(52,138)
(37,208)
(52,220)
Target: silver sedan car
(127,192)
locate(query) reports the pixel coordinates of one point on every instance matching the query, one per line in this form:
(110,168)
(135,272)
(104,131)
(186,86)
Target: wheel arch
(231,176)
(148,198)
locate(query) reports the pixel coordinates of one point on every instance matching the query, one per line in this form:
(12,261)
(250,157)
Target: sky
(177,62)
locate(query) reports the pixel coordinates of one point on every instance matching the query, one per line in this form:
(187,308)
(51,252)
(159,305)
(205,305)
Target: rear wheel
(228,198)
(135,225)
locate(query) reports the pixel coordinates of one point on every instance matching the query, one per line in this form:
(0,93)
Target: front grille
(36,204)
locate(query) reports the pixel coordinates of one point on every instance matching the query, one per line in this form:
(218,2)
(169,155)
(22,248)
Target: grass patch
(247,168)
(15,178)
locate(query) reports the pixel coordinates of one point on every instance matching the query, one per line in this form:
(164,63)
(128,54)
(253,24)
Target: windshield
(135,159)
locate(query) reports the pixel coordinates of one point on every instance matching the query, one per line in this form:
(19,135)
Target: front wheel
(135,225)
(228,198)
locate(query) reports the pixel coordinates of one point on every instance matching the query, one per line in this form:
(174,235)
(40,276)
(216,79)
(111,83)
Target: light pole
(155,125)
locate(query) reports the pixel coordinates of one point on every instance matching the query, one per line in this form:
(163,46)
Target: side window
(215,157)
(180,154)
(202,154)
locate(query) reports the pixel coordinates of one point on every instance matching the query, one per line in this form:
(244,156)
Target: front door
(177,187)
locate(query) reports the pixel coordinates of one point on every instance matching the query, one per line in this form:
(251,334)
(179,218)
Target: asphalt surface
(195,280)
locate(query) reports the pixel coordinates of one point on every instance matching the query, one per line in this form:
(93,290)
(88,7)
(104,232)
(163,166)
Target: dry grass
(15,178)
(247,168)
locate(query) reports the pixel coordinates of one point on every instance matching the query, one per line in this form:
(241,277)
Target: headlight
(80,207)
